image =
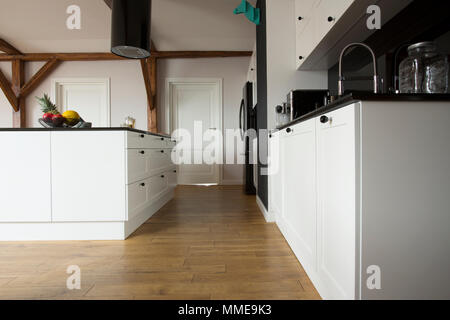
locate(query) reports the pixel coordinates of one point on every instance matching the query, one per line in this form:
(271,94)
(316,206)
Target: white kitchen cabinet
(25,176)
(88,166)
(298,167)
(314,19)
(82,184)
(374,178)
(336,201)
(275,182)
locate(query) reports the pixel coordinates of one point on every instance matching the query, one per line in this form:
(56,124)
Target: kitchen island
(361,191)
(82,184)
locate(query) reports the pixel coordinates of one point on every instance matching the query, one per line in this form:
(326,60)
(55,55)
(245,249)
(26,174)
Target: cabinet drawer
(158,185)
(159,160)
(139,140)
(138,197)
(173,177)
(143,163)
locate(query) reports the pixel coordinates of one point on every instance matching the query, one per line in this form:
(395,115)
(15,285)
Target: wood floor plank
(221,249)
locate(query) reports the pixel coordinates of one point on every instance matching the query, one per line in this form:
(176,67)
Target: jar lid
(427,45)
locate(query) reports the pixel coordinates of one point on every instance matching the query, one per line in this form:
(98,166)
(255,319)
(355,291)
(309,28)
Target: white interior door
(89,97)
(194,101)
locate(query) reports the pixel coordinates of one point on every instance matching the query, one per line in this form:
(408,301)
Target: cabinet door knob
(288,130)
(174,171)
(162,151)
(324,119)
(330,19)
(162,176)
(300,18)
(301,57)
(142,136)
(162,139)
(142,184)
(142,152)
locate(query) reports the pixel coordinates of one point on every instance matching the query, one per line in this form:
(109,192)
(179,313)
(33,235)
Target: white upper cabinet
(25,189)
(314,19)
(336,214)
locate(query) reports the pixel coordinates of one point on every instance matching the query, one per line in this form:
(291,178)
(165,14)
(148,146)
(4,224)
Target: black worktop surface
(364,96)
(86,129)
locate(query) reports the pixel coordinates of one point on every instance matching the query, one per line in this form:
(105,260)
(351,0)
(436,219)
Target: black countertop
(87,129)
(364,96)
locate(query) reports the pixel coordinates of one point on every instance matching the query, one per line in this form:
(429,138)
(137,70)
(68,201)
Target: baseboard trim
(264,211)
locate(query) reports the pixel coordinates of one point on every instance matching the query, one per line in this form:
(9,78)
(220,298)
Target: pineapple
(47,106)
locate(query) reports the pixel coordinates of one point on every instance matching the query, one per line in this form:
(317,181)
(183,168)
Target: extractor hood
(131,26)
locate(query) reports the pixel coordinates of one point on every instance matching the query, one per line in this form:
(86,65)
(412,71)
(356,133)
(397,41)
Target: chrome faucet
(376,88)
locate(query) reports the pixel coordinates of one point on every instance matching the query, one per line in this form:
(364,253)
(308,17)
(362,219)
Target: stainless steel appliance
(301,102)
(247,121)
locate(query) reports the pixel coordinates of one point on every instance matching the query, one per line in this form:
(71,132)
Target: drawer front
(170,144)
(159,160)
(138,164)
(138,197)
(158,185)
(139,140)
(173,177)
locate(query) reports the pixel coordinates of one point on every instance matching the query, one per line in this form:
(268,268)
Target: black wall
(261,48)
(422,20)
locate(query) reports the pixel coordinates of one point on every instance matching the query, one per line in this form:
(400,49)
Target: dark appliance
(301,102)
(247,121)
(131,26)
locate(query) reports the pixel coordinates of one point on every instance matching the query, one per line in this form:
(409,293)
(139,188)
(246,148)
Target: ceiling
(40,25)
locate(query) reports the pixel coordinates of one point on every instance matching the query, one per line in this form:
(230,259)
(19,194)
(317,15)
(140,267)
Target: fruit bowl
(58,124)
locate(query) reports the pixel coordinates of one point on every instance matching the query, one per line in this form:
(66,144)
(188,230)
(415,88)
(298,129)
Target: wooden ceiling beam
(100,56)
(200,54)
(18,80)
(148,67)
(8,91)
(8,48)
(40,76)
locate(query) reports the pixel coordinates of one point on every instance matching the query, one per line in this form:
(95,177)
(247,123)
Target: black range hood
(131,26)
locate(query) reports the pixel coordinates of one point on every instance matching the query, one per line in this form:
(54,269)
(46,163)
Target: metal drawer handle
(162,151)
(162,176)
(162,139)
(142,136)
(142,184)
(142,152)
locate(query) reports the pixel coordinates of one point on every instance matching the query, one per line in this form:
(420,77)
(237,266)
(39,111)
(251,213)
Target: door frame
(218,82)
(56,83)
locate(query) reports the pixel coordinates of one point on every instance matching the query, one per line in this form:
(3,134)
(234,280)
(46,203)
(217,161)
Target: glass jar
(425,70)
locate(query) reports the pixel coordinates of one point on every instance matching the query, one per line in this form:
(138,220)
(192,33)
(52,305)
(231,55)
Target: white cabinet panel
(299,191)
(173,178)
(137,140)
(159,160)
(138,197)
(275,181)
(336,203)
(158,185)
(88,176)
(25,177)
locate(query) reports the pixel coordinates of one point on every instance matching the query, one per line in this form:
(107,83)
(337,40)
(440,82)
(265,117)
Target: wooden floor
(207,243)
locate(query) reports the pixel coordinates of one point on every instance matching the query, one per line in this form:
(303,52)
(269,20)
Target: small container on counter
(425,70)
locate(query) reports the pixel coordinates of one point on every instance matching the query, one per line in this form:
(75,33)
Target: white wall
(128,96)
(282,74)
(233,71)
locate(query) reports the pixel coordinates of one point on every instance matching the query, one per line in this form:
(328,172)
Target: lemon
(72,117)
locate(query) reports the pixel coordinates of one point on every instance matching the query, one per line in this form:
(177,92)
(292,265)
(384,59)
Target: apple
(48,117)
(58,120)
